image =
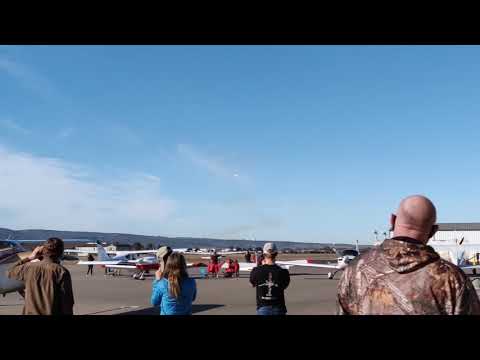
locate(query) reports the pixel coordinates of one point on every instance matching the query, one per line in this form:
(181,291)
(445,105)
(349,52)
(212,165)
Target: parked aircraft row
(11,251)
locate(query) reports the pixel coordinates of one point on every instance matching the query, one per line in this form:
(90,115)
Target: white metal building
(449,232)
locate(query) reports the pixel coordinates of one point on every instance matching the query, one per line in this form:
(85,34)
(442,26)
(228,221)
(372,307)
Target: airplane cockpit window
(349,252)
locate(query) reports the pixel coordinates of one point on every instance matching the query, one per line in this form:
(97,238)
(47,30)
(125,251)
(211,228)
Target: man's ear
(393,219)
(433,231)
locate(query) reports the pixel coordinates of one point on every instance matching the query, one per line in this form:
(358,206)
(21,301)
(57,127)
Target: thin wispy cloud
(27,77)
(39,192)
(14,126)
(209,163)
(124,133)
(65,133)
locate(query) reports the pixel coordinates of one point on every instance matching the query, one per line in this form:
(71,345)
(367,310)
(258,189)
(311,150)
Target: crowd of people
(403,275)
(230,267)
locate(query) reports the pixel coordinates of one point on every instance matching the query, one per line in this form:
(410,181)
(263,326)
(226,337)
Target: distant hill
(177,242)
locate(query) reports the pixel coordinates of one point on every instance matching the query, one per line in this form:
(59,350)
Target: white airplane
(10,252)
(123,261)
(127,253)
(346,256)
(458,253)
(118,254)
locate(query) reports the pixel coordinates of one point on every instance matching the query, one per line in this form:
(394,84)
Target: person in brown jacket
(48,285)
(404,275)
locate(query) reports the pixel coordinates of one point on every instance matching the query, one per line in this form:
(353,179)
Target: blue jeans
(270,310)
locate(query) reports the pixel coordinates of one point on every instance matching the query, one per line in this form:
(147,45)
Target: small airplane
(123,260)
(458,253)
(346,256)
(10,252)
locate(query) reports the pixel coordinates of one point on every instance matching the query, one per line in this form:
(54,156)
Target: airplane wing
(133,252)
(305,263)
(470,267)
(120,266)
(244,266)
(73,251)
(105,263)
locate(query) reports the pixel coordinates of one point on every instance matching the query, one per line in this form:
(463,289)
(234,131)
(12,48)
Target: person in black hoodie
(405,276)
(90,267)
(270,281)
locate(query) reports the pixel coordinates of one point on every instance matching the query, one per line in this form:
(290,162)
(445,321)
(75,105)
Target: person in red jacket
(229,269)
(236,268)
(213,266)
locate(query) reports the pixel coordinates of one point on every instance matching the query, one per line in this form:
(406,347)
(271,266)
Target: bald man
(405,276)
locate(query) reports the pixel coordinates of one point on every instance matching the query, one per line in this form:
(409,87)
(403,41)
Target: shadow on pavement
(304,274)
(196,308)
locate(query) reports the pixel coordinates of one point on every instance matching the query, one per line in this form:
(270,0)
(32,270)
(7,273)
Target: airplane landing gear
(331,275)
(139,276)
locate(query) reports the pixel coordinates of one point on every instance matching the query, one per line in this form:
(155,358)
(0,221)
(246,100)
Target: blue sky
(292,143)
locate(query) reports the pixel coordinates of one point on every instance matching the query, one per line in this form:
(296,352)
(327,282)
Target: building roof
(459,226)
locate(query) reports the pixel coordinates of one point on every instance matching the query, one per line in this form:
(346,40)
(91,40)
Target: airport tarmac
(309,293)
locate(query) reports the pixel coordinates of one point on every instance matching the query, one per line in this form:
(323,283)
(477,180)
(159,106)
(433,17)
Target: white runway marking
(114,309)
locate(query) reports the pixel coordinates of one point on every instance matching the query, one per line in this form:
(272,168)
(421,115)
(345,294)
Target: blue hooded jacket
(168,304)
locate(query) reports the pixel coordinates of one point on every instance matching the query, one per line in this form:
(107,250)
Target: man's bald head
(415,218)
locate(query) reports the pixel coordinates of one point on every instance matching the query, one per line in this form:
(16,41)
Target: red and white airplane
(124,260)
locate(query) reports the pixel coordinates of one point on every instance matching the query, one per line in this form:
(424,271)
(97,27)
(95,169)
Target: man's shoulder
(56,267)
(446,270)
(366,257)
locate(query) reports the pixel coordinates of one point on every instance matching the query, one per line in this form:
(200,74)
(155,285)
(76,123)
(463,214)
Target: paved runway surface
(310,292)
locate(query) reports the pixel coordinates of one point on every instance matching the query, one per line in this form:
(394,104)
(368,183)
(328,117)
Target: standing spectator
(48,285)
(214,266)
(260,257)
(90,267)
(236,268)
(270,281)
(229,268)
(405,276)
(162,256)
(174,290)
(248,256)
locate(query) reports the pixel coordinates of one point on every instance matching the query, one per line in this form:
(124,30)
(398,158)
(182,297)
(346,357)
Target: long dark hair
(175,272)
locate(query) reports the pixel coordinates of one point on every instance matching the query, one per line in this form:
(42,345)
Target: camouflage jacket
(403,276)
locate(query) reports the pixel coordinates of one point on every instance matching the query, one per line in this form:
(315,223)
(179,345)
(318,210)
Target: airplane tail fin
(457,257)
(16,245)
(357,247)
(102,254)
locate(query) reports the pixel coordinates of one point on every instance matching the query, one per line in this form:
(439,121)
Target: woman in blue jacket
(174,290)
